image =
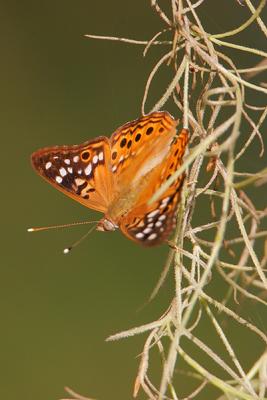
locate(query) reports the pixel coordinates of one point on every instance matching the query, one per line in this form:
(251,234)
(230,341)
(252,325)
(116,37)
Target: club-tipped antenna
(68,249)
(46,228)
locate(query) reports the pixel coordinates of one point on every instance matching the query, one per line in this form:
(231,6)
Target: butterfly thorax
(121,205)
(127,198)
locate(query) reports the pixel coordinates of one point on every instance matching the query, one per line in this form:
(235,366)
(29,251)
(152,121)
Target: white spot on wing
(147,230)
(166,200)
(101,156)
(139,235)
(76,159)
(114,168)
(59,179)
(152,214)
(95,159)
(152,236)
(70,169)
(67,161)
(158,223)
(88,169)
(79,181)
(63,172)
(162,217)
(48,165)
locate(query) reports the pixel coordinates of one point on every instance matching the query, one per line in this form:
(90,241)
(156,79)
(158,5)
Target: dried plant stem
(210,91)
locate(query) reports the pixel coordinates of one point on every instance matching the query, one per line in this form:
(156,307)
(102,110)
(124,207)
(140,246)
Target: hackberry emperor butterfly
(119,175)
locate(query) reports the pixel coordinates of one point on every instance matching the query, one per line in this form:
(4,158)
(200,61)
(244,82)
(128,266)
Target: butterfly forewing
(82,172)
(130,140)
(152,224)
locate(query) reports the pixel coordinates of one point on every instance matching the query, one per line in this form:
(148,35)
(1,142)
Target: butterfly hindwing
(82,172)
(150,227)
(152,224)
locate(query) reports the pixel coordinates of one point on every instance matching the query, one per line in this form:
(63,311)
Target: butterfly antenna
(46,228)
(68,249)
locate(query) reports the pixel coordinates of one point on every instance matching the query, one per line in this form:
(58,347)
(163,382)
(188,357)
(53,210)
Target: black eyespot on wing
(138,137)
(123,142)
(85,155)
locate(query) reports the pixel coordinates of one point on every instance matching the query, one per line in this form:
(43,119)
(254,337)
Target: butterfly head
(105,225)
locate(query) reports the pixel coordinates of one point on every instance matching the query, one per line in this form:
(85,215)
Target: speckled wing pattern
(100,172)
(82,172)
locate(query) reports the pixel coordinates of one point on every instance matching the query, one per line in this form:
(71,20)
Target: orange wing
(82,172)
(152,224)
(130,140)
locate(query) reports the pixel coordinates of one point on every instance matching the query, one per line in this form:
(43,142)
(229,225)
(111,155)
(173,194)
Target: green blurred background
(60,88)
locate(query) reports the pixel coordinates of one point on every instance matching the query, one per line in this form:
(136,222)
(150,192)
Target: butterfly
(118,176)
